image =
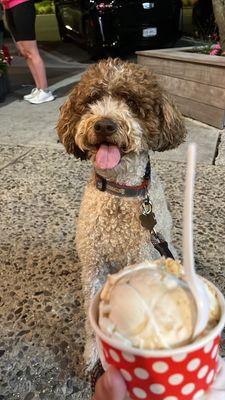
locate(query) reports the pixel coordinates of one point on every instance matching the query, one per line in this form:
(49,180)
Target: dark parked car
(128,24)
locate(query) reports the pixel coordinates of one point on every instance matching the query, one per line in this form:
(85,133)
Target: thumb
(110,386)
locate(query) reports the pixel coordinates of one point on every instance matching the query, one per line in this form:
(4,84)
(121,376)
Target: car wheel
(91,41)
(62,30)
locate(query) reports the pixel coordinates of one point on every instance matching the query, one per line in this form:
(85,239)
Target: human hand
(110,386)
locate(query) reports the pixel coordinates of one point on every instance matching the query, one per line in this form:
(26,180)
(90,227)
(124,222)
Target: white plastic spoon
(194,282)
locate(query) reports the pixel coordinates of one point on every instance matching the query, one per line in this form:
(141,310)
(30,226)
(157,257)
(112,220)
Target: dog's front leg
(90,351)
(93,277)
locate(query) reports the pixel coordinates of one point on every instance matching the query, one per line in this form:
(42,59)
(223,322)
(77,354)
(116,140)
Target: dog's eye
(92,98)
(133,105)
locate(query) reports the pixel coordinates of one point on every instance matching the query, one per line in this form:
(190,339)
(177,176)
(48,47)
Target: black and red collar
(116,189)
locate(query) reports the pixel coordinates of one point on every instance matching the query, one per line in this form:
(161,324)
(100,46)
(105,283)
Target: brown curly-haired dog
(114,116)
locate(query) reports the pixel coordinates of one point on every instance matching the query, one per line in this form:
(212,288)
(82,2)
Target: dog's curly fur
(109,233)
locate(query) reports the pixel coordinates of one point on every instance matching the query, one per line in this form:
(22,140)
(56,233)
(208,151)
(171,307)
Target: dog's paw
(90,355)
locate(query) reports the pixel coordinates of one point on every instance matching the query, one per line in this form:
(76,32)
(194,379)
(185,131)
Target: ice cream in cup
(144,319)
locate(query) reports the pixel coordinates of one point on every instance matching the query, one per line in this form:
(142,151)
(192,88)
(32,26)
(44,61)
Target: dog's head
(118,108)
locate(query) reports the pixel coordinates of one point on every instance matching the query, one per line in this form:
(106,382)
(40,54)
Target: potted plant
(5,61)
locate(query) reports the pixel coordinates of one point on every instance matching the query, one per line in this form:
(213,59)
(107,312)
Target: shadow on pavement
(64,91)
(18,96)
(21,83)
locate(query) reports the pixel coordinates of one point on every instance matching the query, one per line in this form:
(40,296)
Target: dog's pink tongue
(107,157)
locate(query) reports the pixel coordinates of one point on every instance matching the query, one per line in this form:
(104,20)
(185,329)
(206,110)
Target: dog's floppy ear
(66,126)
(172,130)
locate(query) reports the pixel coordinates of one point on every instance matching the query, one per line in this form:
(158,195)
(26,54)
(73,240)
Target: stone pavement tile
(206,138)
(42,323)
(42,334)
(209,215)
(9,154)
(220,159)
(23,123)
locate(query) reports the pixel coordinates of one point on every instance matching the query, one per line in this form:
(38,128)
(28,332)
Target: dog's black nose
(105,127)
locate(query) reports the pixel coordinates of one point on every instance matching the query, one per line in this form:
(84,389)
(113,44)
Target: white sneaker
(41,96)
(31,94)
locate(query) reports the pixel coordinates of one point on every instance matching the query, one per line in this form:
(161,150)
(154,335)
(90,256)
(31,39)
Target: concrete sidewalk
(42,325)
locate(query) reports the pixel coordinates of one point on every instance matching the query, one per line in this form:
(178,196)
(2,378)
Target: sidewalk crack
(15,159)
(217,149)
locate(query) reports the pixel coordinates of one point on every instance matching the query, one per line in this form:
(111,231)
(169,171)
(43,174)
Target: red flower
(216,37)
(6,54)
(213,52)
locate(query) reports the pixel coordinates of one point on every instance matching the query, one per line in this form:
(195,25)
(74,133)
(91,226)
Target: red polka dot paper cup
(184,373)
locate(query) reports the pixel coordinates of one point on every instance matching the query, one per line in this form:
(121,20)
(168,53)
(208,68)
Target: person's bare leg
(30,52)
(30,65)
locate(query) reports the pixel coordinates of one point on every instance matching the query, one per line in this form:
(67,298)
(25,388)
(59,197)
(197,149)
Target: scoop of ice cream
(149,306)
(174,267)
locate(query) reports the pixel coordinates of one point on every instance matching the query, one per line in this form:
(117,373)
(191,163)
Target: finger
(110,386)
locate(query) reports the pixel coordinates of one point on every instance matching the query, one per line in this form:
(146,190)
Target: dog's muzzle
(105,127)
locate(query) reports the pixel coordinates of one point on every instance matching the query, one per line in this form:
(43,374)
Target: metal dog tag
(148,221)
